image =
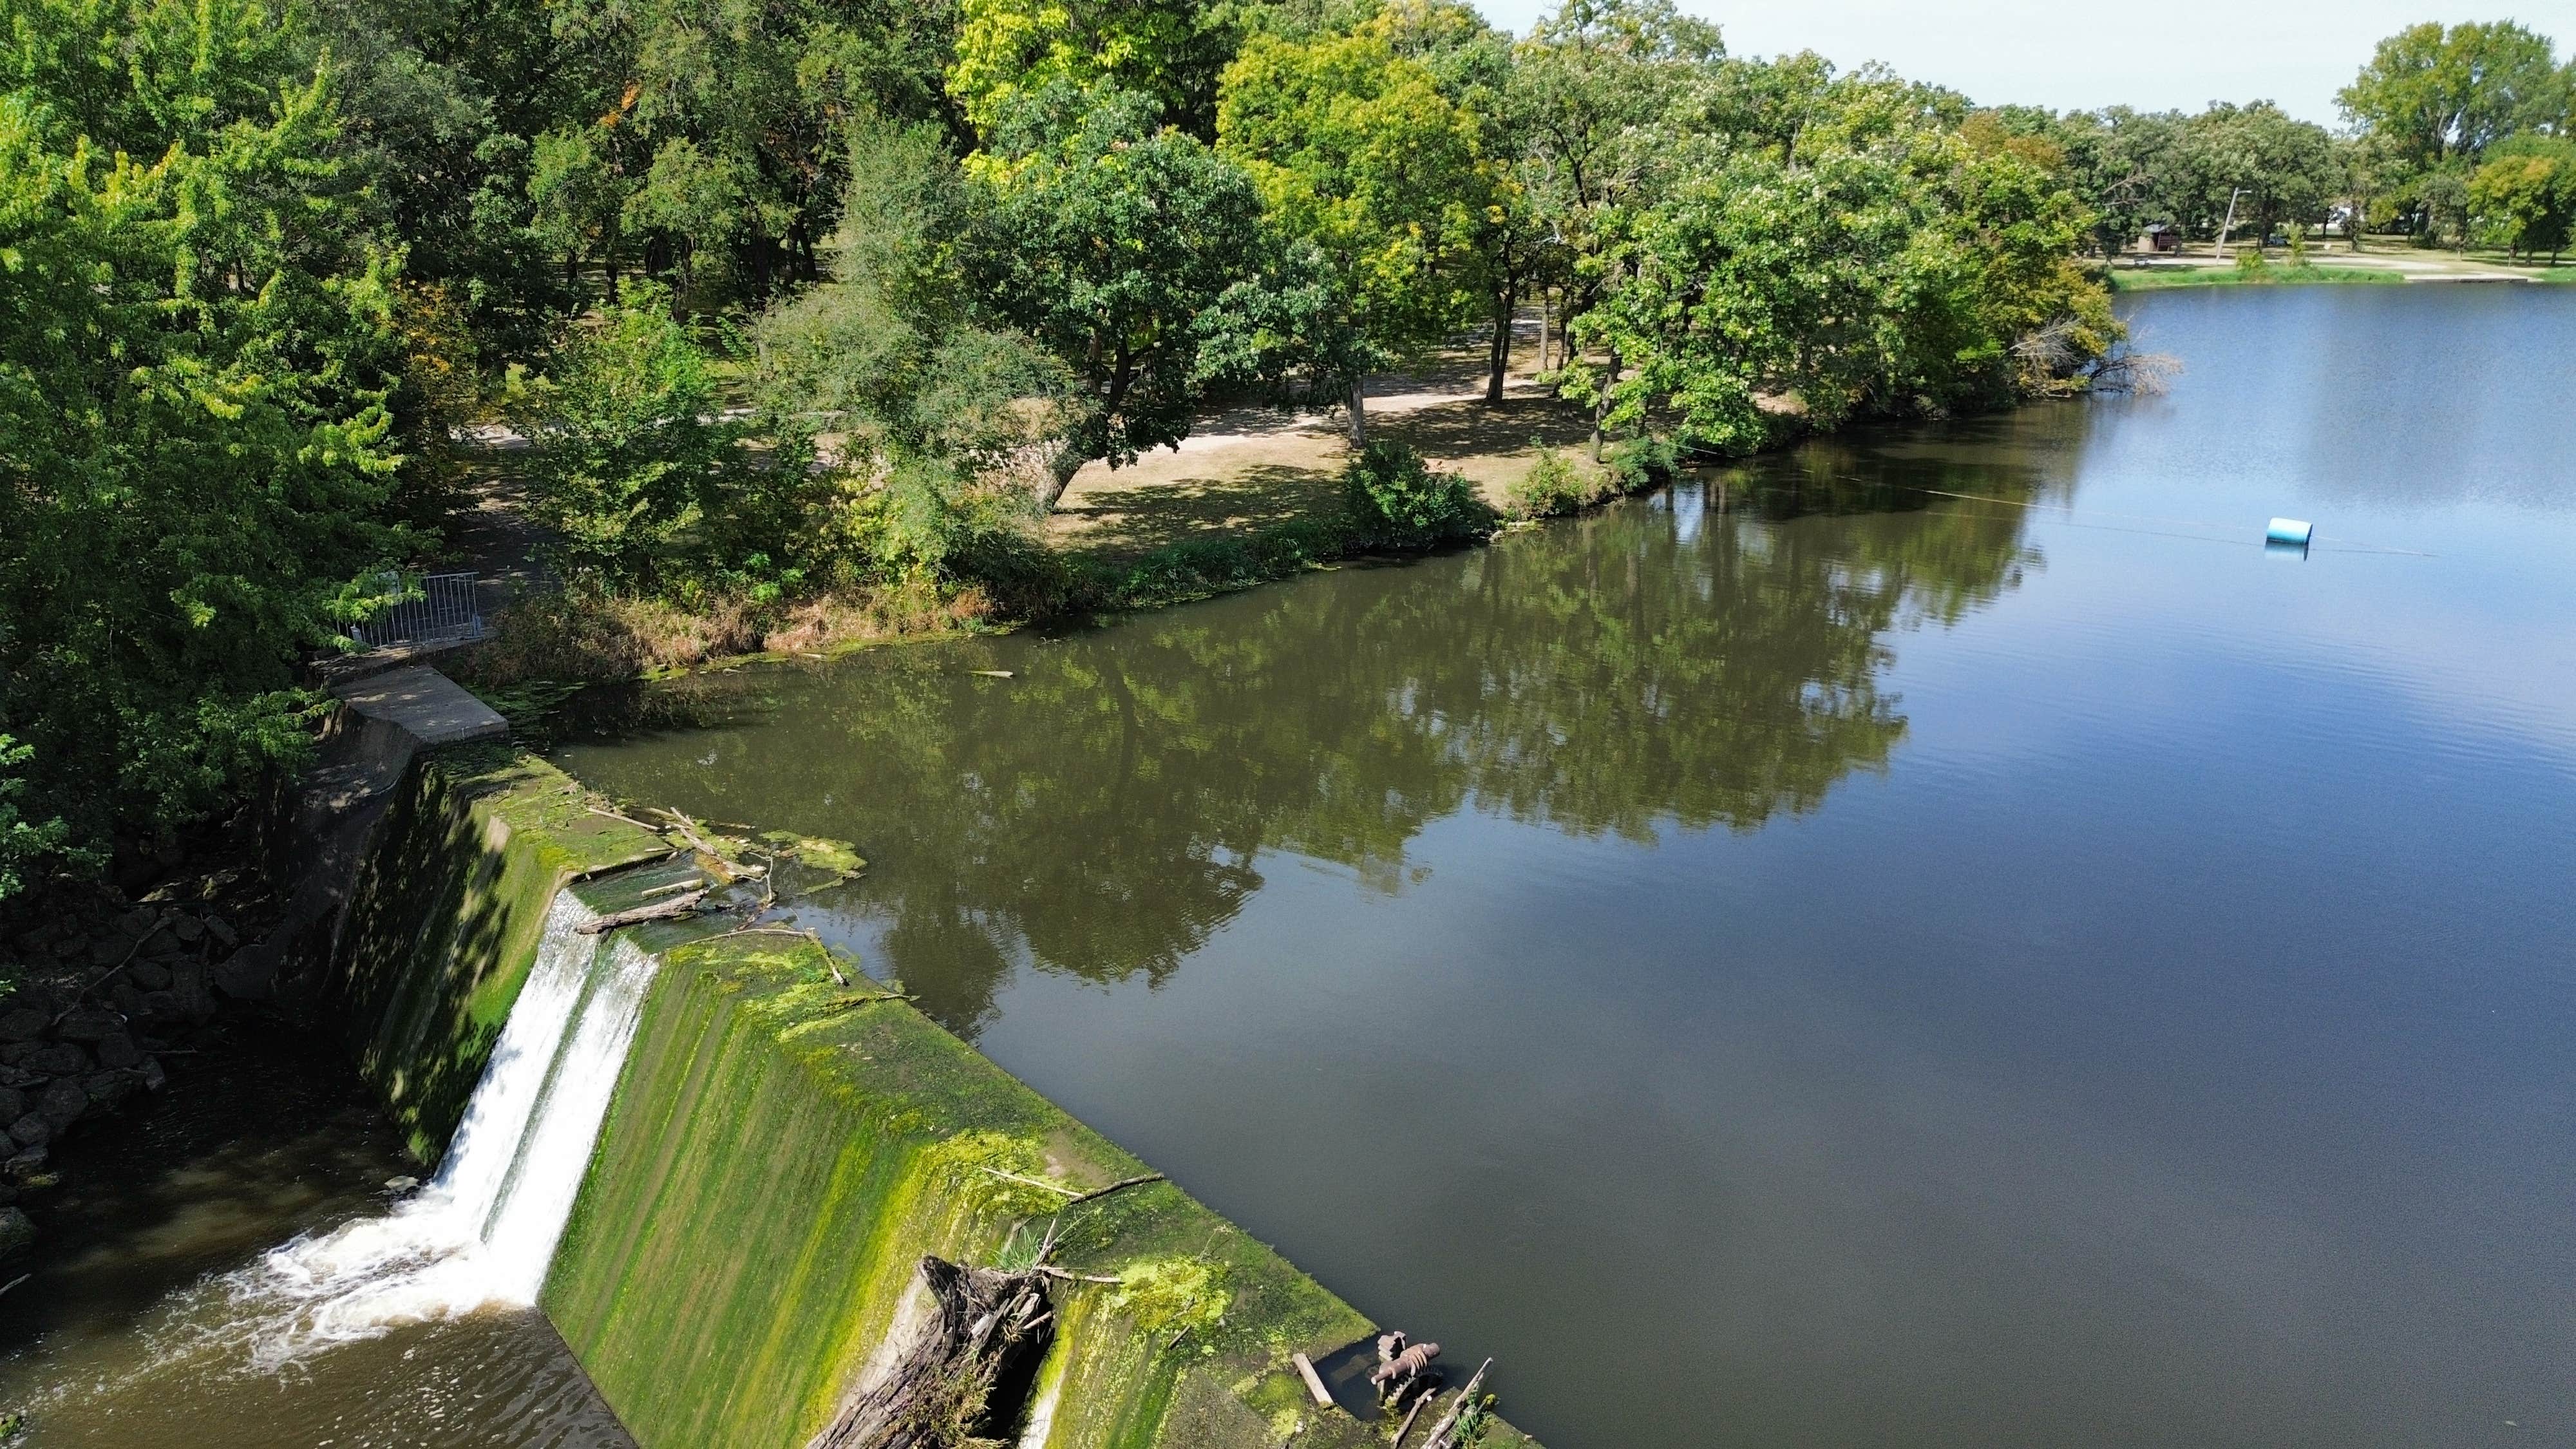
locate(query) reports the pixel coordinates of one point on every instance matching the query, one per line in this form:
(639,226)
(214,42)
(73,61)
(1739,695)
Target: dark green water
(121,1336)
(1806,959)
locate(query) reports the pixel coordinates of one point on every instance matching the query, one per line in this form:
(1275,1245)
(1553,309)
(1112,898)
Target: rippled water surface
(1936,938)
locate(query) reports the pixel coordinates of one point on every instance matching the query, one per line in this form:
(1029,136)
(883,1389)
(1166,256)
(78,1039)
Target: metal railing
(446,609)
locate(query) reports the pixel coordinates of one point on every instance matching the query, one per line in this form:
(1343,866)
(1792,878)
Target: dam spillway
(717,1164)
(485,1228)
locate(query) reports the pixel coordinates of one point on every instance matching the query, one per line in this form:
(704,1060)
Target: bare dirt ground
(1253,467)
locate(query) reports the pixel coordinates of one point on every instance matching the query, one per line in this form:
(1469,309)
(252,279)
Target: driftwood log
(986,1327)
(658,911)
(1445,1434)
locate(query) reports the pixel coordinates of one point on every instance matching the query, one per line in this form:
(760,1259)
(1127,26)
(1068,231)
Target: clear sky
(2071,54)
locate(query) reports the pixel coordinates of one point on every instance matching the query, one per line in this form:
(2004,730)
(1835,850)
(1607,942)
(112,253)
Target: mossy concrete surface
(444,918)
(783,1150)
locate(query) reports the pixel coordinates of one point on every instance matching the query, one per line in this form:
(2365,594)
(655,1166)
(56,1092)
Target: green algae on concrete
(444,919)
(781,1153)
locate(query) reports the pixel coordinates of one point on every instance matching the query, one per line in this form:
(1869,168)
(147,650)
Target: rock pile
(96,1005)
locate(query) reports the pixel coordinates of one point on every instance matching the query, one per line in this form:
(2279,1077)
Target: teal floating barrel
(2289,530)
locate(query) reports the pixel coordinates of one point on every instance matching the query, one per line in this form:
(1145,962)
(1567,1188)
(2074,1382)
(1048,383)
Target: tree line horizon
(829,299)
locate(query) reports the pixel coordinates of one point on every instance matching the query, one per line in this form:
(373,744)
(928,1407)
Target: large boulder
(89,1023)
(62,1102)
(161,1009)
(32,1130)
(16,1231)
(22,1024)
(196,995)
(249,974)
(61,1059)
(106,1089)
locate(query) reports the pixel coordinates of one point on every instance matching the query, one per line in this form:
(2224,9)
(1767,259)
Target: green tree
(26,845)
(2432,99)
(933,400)
(765,96)
(692,198)
(2288,170)
(196,344)
(1887,271)
(1357,153)
(2440,93)
(2526,192)
(1170,50)
(1118,244)
(1590,90)
(1476,69)
(437,102)
(578,198)
(644,481)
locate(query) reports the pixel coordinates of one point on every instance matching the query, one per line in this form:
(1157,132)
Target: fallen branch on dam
(985,1327)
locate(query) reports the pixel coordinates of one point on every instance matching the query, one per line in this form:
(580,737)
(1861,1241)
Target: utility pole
(2224,227)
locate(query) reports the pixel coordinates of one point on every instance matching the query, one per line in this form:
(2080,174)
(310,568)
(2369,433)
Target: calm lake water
(1935,938)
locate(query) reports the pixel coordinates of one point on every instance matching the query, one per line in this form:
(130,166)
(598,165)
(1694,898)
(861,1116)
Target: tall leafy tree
(2287,170)
(196,345)
(1358,154)
(1900,266)
(931,397)
(2526,192)
(2433,99)
(1169,50)
(1590,87)
(2439,93)
(1119,244)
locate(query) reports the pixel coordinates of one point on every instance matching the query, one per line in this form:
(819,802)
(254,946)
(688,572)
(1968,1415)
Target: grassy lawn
(2275,274)
(2389,260)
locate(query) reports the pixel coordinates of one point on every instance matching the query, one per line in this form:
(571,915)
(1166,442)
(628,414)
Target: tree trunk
(1062,464)
(1359,413)
(986,1327)
(1499,361)
(1601,404)
(682,905)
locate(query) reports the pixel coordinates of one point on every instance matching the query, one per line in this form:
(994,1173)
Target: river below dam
(1935,937)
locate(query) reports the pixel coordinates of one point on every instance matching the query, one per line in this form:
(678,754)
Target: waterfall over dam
(484,1230)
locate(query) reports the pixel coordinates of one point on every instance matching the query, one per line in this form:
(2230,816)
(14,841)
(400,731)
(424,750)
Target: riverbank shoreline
(2330,269)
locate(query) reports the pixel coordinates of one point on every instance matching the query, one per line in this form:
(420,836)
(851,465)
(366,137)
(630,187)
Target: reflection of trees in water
(1103,812)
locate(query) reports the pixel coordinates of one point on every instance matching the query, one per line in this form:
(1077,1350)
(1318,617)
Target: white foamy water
(485,1229)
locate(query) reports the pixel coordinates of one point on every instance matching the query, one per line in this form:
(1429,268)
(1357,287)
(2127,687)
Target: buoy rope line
(2227,528)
